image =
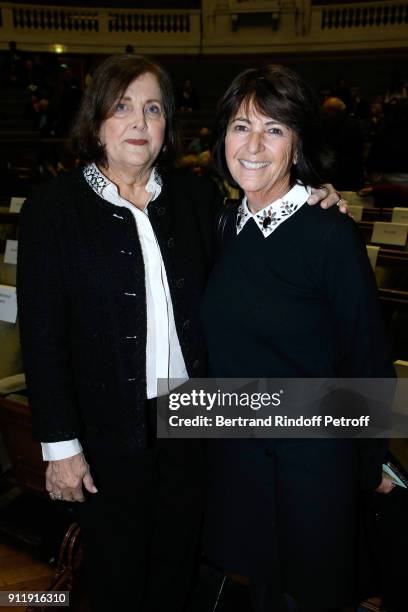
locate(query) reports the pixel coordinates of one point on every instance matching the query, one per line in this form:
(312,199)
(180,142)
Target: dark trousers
(141,530)
(265,599)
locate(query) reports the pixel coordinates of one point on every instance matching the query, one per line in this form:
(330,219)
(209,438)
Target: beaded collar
(99,181)
(270,217)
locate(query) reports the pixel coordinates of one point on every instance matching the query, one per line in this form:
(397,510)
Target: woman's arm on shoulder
(327,196)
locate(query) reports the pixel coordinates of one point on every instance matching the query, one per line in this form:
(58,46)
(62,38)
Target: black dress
(300,302)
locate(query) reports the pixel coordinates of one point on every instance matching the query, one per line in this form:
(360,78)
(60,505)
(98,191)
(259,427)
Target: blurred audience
(344,137)
(13,66)
(70,99)
(367,136)
(201,143)
(397,90)
(343,91)
(187,99)
(388,151)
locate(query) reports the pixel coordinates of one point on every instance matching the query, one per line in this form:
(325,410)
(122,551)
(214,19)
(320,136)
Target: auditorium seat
(10,353)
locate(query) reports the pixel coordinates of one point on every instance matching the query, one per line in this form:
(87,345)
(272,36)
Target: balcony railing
(158,23)
(50,18)
(298,27)
(102,29)
(375,15)
(42,18)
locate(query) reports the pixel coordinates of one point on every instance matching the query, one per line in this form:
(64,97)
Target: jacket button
(170,243)
(180,283)
(186,325)
(196,364)
(161,211)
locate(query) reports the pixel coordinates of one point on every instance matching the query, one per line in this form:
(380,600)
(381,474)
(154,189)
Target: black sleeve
(45,323)
(209,201)
(361,338)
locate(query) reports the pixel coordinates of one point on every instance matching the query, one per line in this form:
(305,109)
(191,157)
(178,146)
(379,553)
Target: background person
(201,143)
(344,136)
(188,99)
(113,258)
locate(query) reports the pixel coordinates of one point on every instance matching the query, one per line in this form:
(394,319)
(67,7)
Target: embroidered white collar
(99,182)
(270,217)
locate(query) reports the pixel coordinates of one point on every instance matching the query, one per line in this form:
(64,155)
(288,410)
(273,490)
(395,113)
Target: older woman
(113,259)
(291,295)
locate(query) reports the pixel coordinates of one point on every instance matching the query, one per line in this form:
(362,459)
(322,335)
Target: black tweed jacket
(82,304)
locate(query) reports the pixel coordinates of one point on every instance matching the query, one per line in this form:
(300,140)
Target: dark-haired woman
(113,259)
(292,295)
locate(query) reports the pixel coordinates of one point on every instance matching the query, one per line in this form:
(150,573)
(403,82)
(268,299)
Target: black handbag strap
(227,212)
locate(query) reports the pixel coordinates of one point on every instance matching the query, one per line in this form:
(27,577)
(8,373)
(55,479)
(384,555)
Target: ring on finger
(339,196)
(56,496)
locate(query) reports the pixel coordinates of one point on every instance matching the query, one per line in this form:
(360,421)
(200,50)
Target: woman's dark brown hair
(110,81)
(279,93)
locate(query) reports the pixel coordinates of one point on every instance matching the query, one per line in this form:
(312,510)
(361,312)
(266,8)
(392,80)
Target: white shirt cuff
(53,451)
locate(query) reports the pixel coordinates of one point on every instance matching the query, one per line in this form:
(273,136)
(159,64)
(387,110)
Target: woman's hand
(328,196)
(65,479)
(386,486)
